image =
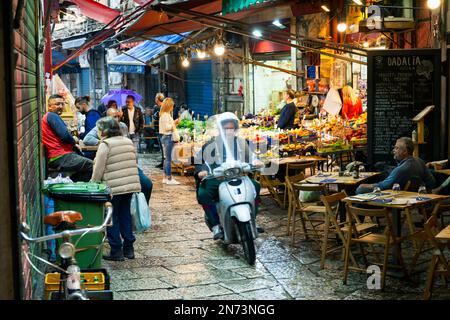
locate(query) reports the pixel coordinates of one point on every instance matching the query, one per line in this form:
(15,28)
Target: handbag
(175,135)
(140,212)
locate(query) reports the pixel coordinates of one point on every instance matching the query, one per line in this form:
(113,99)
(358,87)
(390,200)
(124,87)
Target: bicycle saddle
(58,217)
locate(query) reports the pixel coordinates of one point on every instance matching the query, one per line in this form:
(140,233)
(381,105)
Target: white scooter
(236,206)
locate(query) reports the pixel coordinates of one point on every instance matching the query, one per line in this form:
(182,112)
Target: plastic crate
(52,282)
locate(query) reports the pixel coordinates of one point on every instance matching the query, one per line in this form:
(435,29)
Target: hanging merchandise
(333,102)
(58,87)
(338,76)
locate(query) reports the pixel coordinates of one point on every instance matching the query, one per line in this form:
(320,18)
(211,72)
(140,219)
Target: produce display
(317,136)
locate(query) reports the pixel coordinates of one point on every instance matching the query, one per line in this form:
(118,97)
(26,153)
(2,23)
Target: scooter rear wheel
(245,231)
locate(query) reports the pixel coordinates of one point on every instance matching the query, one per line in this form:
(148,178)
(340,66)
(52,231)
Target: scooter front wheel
(245,231)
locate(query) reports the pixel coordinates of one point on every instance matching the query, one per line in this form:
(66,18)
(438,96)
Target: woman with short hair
(115,165)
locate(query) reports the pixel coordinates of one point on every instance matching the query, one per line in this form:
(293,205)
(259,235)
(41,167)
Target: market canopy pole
(248,34)
(240,58)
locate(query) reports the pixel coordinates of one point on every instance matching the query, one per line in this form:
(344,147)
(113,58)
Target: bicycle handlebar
(76,232)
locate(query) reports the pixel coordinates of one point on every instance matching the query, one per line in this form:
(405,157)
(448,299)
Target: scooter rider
(213,154)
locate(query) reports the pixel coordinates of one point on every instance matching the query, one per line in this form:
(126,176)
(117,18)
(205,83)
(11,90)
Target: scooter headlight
(232,172)
(66,250)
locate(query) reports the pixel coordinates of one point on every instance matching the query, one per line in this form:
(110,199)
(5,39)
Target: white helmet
(228,117)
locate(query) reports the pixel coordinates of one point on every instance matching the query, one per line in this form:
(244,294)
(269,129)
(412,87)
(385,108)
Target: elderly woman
(115,165)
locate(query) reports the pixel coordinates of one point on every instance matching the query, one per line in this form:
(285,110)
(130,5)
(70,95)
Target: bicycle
(69,271)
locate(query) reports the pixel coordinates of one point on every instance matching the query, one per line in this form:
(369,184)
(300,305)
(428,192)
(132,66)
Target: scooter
(236,206)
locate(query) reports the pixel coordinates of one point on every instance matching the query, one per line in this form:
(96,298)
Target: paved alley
(177,258)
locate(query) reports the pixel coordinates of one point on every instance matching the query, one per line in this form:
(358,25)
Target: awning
(96,11)
(71,67)
(134,59)
(229,6)
(157,23)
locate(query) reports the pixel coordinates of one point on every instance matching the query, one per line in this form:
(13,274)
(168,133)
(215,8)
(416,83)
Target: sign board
(401,83)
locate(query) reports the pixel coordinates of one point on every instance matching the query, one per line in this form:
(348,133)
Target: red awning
(156,23)
(96,11)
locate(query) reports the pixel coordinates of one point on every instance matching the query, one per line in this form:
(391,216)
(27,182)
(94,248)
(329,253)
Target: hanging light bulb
(185,61)
(257,33)
(366,44)
(342,27)
(201,54)
(433,4)
(219,49)
(358,2)
(325,8)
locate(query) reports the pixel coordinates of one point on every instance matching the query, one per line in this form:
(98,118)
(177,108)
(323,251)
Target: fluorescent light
(325,8)
(433,4)
(219,49)
(342,27)
(358,2)
(257,33)
(277,23)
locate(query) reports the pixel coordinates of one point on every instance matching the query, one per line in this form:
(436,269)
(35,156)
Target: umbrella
(120,96)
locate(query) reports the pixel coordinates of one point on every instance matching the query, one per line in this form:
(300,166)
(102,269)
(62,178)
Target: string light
(185,62)
(342,27)
(433,4)
(201,54)
(366,44)
(219,49)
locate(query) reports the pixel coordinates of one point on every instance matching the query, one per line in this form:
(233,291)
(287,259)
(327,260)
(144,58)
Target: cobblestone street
(177,258)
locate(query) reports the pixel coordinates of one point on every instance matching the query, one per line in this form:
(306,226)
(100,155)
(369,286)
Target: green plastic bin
(87,198)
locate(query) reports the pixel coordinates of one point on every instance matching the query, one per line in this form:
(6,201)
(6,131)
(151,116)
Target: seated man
(92,139)
(211,157)
(63,152)
(408,167)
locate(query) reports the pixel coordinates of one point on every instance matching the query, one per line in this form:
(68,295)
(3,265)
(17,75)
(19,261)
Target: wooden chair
(439,265)
(273,185)
(299,167)
(292,196)
(413,185)
(306,210)
(386,239)
(337,228)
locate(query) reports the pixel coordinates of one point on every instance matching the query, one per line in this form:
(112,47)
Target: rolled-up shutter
(85,84)
(199,89)
(27,80)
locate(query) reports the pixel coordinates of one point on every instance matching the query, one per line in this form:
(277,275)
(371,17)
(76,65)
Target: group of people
(115,131)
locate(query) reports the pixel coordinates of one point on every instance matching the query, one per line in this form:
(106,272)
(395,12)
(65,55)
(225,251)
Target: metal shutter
(27,103)
(199,89)
(85,84)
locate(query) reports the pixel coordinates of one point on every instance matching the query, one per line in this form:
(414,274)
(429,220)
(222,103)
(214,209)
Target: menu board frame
(435,149)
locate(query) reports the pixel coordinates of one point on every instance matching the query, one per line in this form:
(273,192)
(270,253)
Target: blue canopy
(134,60)
(70,67)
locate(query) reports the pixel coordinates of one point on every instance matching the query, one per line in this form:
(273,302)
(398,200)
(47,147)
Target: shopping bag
(175,135)
(140,212)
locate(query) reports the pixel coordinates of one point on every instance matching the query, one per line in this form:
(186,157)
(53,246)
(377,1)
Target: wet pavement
(177,258)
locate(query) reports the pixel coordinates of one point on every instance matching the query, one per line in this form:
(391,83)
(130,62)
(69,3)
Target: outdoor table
(298,159)
(346,183)
(444,171)
(87,148)
(444,234)
(397,201)
(335,155)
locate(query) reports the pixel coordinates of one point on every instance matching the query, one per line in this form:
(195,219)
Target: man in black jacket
(159,98)
(130,111)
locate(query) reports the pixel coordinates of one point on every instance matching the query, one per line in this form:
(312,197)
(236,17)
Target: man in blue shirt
(408,167)
(92,115)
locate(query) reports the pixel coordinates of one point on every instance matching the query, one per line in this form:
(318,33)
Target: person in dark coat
(287,116)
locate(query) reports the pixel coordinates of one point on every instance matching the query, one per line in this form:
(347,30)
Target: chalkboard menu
(401,83)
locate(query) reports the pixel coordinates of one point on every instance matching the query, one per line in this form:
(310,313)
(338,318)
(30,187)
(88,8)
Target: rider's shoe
(116,256)
(128,252)
(260,229)
(217,232)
